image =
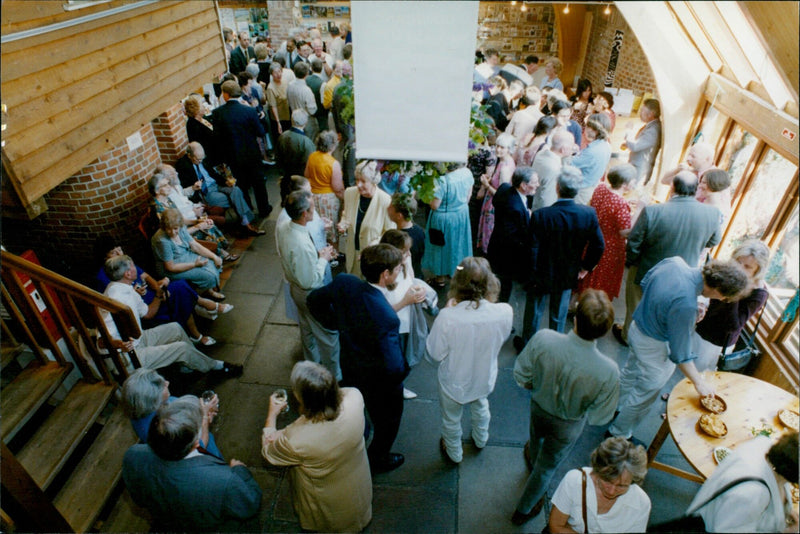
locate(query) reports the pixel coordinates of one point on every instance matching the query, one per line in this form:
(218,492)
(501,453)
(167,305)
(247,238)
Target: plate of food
(714,404)
(789,419)
(713,425)
(720,453)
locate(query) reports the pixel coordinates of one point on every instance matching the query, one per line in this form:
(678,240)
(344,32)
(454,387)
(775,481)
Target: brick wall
(107,196)
(282,18)
(516,34)
(169,129)
(633,70)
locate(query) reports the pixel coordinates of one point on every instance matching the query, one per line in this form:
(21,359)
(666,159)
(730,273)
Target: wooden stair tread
(26,394)
(48,449)
(89,486)
(8,353)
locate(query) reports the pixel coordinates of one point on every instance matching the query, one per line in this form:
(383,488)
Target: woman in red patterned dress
(614,215)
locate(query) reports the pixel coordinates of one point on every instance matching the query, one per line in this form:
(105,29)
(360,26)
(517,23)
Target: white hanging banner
(413,64)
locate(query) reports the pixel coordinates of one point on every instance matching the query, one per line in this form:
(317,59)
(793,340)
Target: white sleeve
(737,510)
(567,498)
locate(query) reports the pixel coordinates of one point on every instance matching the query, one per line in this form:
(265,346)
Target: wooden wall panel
(75,93)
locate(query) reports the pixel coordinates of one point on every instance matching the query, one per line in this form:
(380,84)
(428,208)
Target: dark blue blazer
(565,238)
(368,330)
(509,246)
(236,132)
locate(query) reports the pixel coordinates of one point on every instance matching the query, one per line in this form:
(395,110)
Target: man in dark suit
(211,188)
(508,245)
(315,82)
(566,243)
(242,54)
(182,486)
(294,148)
(236,132)
(370,355)
(682,226)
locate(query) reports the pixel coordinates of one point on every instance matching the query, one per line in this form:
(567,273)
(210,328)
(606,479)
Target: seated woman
(364,217)
(179,257)
(722,322)
(180,299)
(753,505)
(144,391)
(614,500)
(324,448)
(204,229)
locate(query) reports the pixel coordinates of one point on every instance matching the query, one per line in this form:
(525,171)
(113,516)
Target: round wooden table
(752,403)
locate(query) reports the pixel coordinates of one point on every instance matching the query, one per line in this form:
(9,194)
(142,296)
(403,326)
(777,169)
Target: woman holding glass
(324,449)
(364,218)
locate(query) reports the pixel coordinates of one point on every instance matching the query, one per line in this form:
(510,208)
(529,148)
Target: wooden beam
(755,115)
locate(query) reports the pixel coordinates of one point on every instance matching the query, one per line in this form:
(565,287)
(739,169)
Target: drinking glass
(281,394)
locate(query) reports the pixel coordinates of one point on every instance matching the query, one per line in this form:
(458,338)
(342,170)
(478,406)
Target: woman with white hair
(500,174)
(722,322)
(364,217)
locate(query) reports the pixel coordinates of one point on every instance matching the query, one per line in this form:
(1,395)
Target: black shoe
(520,519)
(616,330)
(519,343)
(266,213)
(391,462)
(229,370)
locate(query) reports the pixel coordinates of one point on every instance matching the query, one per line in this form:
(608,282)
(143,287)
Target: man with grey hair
(565,244)
(159,346)
(682,226)
(324,58)
(300,96)
(183,487)
(304,268)
(294,148)
(548,164)
(237,129)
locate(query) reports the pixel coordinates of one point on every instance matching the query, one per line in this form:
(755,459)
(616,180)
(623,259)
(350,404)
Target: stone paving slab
(412,509)
(256,273)
(489,485)
(277,314)
(243,324)
(276,351)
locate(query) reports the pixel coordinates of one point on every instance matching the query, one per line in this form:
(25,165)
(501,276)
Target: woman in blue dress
(180,257)
(451,241)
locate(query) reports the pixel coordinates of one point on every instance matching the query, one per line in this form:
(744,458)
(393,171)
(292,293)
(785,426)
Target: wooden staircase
(63,438)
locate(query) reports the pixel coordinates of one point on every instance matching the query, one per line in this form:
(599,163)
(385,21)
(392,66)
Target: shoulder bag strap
(751,339)
(725,488)
(583,501)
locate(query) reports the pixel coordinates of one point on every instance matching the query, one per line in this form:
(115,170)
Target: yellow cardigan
(376,221)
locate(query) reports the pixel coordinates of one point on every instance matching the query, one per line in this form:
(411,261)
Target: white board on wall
(413,64)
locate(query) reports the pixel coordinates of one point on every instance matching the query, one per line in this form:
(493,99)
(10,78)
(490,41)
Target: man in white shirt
(304,268)
(337,44)
(524,121)
(300,96)
(160,346)
(327,59)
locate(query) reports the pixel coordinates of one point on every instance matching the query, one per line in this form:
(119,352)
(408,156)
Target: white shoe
(408,394)
(202,312)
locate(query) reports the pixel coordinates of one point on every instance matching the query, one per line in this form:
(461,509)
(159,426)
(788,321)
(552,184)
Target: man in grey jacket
(682,226)
(644,146)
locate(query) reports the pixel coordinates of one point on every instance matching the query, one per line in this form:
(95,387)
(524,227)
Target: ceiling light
(513,2)
(524,7)
(607,10)
(566,9)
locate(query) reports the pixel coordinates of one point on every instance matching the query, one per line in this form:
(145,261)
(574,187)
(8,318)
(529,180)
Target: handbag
(694,523)
(738,360)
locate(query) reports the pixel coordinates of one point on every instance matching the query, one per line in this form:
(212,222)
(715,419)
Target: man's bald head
(684,184)
(562,142)
(700,156)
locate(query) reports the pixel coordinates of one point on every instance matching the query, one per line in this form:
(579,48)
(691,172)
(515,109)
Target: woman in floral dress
(504,147)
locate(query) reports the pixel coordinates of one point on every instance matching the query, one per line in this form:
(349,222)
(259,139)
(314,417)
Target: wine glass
(207,396)
(281,395)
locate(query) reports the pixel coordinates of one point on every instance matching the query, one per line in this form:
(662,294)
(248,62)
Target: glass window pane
(712,127)
(736,154)
(774,177)
(783,273)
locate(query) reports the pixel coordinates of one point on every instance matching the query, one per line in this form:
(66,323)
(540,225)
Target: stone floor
(425,494)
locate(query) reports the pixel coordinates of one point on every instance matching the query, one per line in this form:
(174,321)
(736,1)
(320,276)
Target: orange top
(319,171)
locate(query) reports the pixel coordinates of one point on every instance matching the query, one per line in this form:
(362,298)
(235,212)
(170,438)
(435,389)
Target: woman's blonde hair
(759,251)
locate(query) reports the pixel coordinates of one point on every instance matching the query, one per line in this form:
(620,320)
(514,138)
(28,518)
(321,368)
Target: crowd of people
(537,209)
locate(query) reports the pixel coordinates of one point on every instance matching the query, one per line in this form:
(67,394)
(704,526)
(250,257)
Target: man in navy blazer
(370,355)
(509,249)
(566,243)
(236,132)
(242,54)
